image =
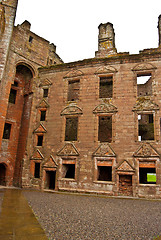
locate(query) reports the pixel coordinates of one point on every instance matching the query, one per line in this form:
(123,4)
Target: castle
(90,126)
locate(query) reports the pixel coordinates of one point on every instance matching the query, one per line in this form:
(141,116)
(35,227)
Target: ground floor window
(37,170)
(147,175)
(104,173)
(68,171)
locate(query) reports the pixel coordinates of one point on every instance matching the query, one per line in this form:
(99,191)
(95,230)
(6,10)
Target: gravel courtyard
(69,216)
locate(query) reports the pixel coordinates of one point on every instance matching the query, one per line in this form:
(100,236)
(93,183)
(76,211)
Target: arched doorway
(2,174)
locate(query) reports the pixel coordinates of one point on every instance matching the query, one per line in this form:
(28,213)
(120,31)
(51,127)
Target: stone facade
(87,126)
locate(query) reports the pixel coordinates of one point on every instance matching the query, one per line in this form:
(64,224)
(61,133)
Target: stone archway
(2,174)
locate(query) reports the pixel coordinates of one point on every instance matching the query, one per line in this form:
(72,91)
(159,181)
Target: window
(68,171)
(30,39)
(145,127)
(7,131)
(43,115)
(46,91)
(106,87)
(144,85)
(40,140)
(73,90)
(105,129)
(12,96)
(147,175)
(71,129)
(37,170)
(15,84)
(104,173)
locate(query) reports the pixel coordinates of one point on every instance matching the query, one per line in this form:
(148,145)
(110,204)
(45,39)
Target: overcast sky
(72,25)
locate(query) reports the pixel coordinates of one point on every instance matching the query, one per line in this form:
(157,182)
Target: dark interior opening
(73,90)
(12,96)
(2,175)
(50,179)
(7,131)
(104,173)
(37,170)
(143,178)
(46,91)
(106,87)
(105,129)
(71,129)
(146,127)
(40,140)
(69,171)
(43,115)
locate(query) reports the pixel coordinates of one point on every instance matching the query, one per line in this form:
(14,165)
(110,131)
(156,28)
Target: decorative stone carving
(37,155)
(71,110)
(43,104)
(105,108)
(2,19)
(146,150)
(106,70)
(125,166)
(68,150)
(144,66)
(51,163)
(45,83)
(104,150)
(40,129)
(73,74)
(144,104)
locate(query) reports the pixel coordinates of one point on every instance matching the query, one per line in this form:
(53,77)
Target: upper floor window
(105,129)
(144,85)
(46,92)
(106,87)
(71,129)
(12,96)
(7,131)
(145,127)
(73,90)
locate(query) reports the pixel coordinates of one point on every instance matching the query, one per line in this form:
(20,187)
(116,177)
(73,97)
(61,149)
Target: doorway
(125,185)
(2,175)
(50,179)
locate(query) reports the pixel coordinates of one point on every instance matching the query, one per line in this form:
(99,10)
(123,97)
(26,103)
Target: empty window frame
(147,175)
(42,115)
(37,170)
(71,129)
(144,85)
(105,129)
(104,173)
(73,90)
(12,96)
(40,140)
(68,171)
(30,39)
(106,87)
(45,92)
(145,127)
(7,131)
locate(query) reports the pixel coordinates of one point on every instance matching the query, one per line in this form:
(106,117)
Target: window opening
(43,115)
(7,131)
(68,171)
(144,85)
(105,129)
(12,96)
(71,129)
(30,39)
(145,127)
(37,170)
(73,90)
(50,179)
(40,140)
(147,175)
(106,87)
(104,173)
(46,91)
(15,84)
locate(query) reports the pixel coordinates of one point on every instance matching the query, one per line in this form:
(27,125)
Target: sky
(72,25)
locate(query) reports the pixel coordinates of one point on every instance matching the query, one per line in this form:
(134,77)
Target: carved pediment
(104,150)
(106,70)
(51,163)
(72,74)
(37,155)
(143,66)
(71,110)
(45,83)
(146,150)
(68,150)
(43,104)
(125,166)
(105,108)
(143,104)
(40,129)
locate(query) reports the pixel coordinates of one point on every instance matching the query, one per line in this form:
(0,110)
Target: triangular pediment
(37,155)
(71,110)
(72,74)
(105,108)
(40,129)
(45,83)
(51,163)
(43,104)
(106,70)
(144,104)
(144,66)
(68,150)
(125,166)
(104,150)
(146,150)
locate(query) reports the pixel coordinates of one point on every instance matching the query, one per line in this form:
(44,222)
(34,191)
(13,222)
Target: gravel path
(86,217)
